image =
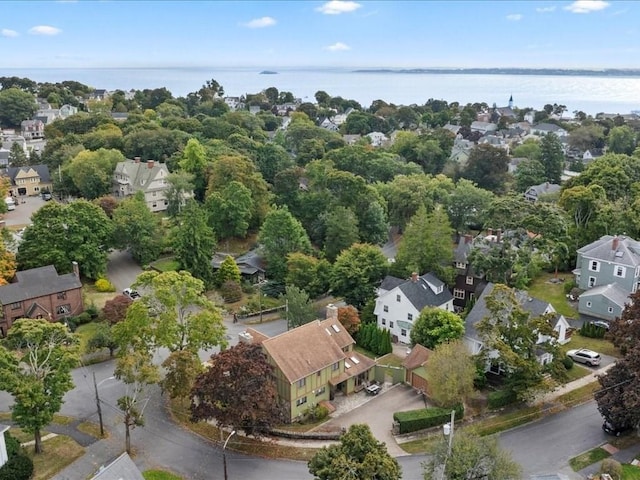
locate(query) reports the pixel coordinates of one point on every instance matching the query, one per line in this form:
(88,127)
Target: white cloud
(44,30)
(8,33)
(338,47)
(336,7)
(587,6)
(514,17)
(261,22)
(552,8)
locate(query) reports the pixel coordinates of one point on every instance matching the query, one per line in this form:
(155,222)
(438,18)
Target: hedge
(500,398)
(414,420)
(19,467)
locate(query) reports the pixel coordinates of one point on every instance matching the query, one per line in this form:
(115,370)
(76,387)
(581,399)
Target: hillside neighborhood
(264,269)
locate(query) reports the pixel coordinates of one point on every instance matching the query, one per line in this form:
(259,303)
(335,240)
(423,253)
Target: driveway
(25,207)
(122,270)
(378,413)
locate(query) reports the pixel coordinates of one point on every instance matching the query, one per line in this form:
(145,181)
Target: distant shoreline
(608,72)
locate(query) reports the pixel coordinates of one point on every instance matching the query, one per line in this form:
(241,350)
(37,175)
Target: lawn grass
(390,360)
(588,458)
(58,452)
(579,395)
(167,264)
(160,475)
(630,472)
(364,351)
(553,293)
(92,429)
(505,421)
(600,345)
(424,445)
(92,297)
(576,372)
(84,333)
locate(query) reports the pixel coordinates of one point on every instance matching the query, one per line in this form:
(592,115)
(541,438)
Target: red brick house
(41,293)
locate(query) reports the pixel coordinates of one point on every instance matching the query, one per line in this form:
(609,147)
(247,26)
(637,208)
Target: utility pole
(260,300)
(448,431)
(95,387)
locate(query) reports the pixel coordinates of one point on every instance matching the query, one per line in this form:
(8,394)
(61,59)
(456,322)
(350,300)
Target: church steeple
(511,101)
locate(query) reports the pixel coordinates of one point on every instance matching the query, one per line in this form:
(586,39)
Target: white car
(132,294)
(586,356)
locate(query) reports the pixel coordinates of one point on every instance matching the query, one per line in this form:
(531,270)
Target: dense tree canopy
(15,106)
(435,326)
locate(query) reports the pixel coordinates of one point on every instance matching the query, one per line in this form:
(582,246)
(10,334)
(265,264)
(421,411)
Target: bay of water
(590,94)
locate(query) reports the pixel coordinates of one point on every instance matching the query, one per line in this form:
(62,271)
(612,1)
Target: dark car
(615,430)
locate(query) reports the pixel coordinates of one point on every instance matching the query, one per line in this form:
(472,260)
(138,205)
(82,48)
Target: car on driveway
(132,294)
(613,429)
(601,324)
(586,356)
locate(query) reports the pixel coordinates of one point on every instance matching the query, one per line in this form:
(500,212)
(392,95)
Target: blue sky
(83,33)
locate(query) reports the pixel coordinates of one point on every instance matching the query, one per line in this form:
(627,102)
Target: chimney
(467,238)
(414,277)
(150,163)
(332,311)
(615,243)
(76,269)
(136,159)
(499,235)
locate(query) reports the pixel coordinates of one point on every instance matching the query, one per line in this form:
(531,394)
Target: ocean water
(591,94)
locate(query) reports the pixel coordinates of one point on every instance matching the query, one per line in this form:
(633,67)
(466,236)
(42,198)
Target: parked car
(132,294)
(584,355)
(601,324)
(615,430)
(46,196)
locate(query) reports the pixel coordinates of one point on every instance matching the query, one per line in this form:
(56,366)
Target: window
(166,202)
(619,271)
(403,332)
(390,324)
(397,298)
(335,366)
(320,391)
(458,293)
(592,282)
(461,265)
(385,308)
(410,317)
(588,304)
(153,194)
(301,401)
(63,309)
(594,266)
(384,321)
(62,295)
(319,373)
(302,382)
(16,306)
(610,309)
(154,204)
(469,280)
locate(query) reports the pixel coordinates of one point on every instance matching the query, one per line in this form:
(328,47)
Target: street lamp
(224,455)
(447,429)
(95,387)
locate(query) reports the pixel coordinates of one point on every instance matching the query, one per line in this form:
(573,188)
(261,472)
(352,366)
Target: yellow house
(31,180)
(313,363)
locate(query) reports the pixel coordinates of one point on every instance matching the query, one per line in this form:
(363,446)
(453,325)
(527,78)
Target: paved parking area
(21,216)
(378,414)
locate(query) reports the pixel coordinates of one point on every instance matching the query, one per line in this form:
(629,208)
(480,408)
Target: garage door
(418,382)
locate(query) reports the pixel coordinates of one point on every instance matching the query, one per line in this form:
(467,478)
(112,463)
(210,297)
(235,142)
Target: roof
(141,174)
(534,306)
(461,253)
(122,468)
(256,336)
(417,357)
(390,282)
(307,349)
(37,282)
(626,253)
(41,170)
(547,127)
(611,291)
(422,293)
(545,188)
(355,364)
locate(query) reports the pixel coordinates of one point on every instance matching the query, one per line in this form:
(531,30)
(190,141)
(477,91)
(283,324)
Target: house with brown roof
(313,363)
(414,366)
(41,293)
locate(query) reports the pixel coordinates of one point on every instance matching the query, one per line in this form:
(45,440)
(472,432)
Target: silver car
(584,355)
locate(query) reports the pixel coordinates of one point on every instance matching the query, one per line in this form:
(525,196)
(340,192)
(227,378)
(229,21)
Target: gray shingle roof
(41,170)
(626,253)
(390,282)
(122,468)
(611,291)
(421,294)
(480,311)
(37,282)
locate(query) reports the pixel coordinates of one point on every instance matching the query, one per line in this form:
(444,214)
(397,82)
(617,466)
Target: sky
(297,33)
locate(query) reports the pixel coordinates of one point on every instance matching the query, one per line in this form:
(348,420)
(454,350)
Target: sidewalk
(549,397)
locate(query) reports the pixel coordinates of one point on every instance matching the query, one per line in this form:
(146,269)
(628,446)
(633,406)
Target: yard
(167,264)
(543,289)
(599,345)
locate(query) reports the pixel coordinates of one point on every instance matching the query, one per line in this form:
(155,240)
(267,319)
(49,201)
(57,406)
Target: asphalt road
(21,216)
(122,270)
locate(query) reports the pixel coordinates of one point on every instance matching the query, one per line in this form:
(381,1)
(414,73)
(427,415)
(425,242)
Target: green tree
(435,326)
(487,167)
(92,172)
(15,106)
(35,367)
(194,161)
(17,157)
(228,271)
(622,140)
(300,309)
(61,234)
(467,205)
(450,374)
(280,235)
(230,210)
(238,390)
(529,149)
(137,228)
(358,455)
(587,137)
(471,458)
(373,225)
(426,245)
(180,188)
(194,242)
(102,338)
(356,273)
(341,231)
(183,367)
(552,157)
(529,173)
(272,159)
(308,273)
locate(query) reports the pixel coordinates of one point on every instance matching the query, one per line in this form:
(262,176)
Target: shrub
(248,287)
(18,467)
(414,420)
(12,443)
(568,286)
(231,291)
(71,323)
(567,362)
(611,467)
(103,285)
(84,317)
(590,330)
(93,311)
(501,398)
(316,413)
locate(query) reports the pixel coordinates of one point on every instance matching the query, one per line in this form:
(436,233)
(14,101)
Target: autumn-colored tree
(108,203)
(450,373)
(183,367)
(238,391)
(115,310)
(625,330)
(7,259)
(349,318)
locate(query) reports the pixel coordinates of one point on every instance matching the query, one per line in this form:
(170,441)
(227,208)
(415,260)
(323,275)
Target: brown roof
(338,332)
(355,368)
(304,350)
(256,336)
(418,357)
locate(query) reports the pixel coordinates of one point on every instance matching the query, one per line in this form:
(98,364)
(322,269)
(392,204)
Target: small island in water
(268,72)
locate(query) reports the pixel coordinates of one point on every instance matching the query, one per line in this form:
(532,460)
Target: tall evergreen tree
(552,157)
